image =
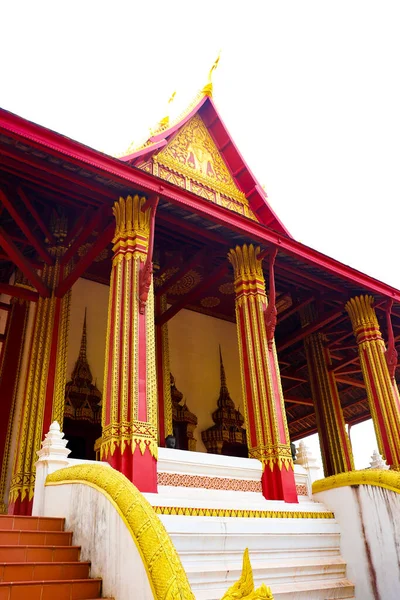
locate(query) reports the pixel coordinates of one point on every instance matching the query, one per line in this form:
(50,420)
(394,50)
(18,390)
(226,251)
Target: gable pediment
(192,160)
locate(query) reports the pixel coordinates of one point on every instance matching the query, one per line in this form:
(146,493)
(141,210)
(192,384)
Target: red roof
(241,173)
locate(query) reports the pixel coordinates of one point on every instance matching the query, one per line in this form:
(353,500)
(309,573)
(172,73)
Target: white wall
(369,519)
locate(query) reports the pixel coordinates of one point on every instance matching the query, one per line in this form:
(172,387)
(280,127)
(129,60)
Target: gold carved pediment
(193,154)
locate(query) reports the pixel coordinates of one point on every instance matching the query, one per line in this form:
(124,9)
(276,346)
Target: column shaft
(44,387)
(266,425)
(335,445)
(382,391)
(163,375)
(9,376)
(129,417)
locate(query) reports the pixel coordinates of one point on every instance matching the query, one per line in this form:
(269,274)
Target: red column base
(21,507)
(279,484)
(140,469)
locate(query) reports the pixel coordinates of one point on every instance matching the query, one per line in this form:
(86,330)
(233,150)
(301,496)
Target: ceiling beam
(190,297)
(195,261)
(349,381)
(185,225)
(294,400)
(26,230)
(22,263)
(311,328)
(29,206)
(348,360)
(84,263)
(85,233)
(313,278)
(15,291)
(294,309)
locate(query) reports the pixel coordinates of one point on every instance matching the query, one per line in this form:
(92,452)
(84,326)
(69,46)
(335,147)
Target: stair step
(44,571)
(272,573)
(310,590)
(80,589)
(23,537)
(31,523)
(39,554)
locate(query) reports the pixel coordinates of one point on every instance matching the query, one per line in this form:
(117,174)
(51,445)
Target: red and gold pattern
(266,426)
(335,445)
(11,360)
(46,378)
(382,391)
(163,375)
(129,418)
(217,483)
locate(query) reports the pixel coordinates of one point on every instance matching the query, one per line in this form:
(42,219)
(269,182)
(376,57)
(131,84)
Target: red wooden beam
(348,360)
(79,223)
(36,215)
(190,264)
(294,400)
(306,275)
(23,264)
(306,331)
(193,295)
(350,381)
(5,306)
(18,292)
(102,241)
(85,233)
(183,224)
(26,230)
(294,309)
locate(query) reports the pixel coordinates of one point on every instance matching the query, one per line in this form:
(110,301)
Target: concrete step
(341,589)
(271,573)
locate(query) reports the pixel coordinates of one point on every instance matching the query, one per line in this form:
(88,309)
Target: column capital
(132,229)
(245,263)
(363,318)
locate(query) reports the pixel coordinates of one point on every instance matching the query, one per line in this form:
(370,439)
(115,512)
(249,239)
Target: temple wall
(94,297)
(194,354)
(370,533)
(194,360)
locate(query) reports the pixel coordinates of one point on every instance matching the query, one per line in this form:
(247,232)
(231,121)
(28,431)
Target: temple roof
(227,172)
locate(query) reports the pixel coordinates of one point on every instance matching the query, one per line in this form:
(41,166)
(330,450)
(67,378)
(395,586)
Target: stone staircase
(294,548)
(39,562)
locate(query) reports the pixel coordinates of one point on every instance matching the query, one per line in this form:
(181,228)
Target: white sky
(309,90)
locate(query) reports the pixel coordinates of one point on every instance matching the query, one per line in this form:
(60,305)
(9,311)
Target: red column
(10,370)
(163,375)
(382,391)
(334,442)
(129,418)
(44,391)
(266,426)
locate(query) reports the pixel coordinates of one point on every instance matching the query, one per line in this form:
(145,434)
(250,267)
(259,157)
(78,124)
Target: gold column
(265,417)
(129,417)
(335,445)
(163,374)
(382,391)
(46,378)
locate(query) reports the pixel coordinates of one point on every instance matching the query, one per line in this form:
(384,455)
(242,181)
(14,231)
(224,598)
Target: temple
(155,304)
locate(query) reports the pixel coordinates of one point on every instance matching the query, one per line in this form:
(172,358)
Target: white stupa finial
(377,461)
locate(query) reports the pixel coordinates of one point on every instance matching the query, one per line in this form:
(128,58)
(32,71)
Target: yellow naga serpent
(166,574)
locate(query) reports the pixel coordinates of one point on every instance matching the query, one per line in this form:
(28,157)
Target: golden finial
(208,88)
(165,121)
